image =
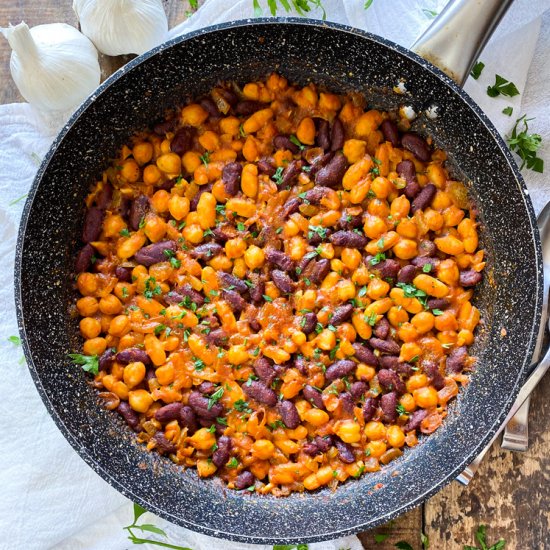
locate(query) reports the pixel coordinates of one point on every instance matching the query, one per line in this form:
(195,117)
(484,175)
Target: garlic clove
(120,27)
(54,66)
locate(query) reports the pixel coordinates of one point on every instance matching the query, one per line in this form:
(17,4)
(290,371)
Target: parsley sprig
(481,537)
(502,87)
(301,6)
(526,145)
(89,363)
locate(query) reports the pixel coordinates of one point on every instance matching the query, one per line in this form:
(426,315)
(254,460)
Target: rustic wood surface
(511,491)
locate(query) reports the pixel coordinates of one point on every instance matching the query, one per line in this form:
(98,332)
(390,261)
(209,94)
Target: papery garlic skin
(55,67)
(119,27)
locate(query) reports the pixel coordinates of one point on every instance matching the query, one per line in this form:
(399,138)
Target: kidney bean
(188,419)
(248,107)
(337,135)
(228,280)
(314,196)
(324,443)
(319,271)
(345,452)
(282,281)
(390,380)
(234,299)
(415,419)
(279,259)
(289,414)
(341,314)
(358,389)
(131,416)
(386,346)
(206,251)
(138,210)
(390,131)
(347,402)
(421,261)
(182,141)
(331,175)
(431,368)
(223,233)
(84,258)
(164,127)
(369,408)
(229,96)
(231,177)
(283,142)
(265,166)
(469,277)
(438,303)
(199,404)
(322,135)
(132,355)
(260,392)
(290,207)
(106,359)
(348,222)
(219,429)
(257,290)
(392,362)
(424,198)
(308,323)
(169,412)
(407,274)
(427,248)
(318,163)
(301,364)
(195,200)
(310,449)
(182,292)
(456,360)
(163,445)
(92,224)
(412,189)
(382,329)
(315,239)
(125,206)
(339,369)
(364,354)
(388,404)
(123,274)
(209,106)
(218,337)
(314,396)
(291,171)
(407,170)
(155,253)
(264,370)
(221,455)
(207,387)
(417,146)
(104,197)
(387,269)
(244,480)
(349,239)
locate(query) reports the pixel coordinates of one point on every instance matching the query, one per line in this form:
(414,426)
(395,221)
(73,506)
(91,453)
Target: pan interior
(340,60)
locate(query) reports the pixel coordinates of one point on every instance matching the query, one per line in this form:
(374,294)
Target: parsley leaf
(297,142)
(378,258)
(508,111)
(426,268)
(124,232)
(242,406)
(526,145)
(89,363)
(15,340)
(278,175)
(502,87)
(215,397)
(477,69)
(205,158)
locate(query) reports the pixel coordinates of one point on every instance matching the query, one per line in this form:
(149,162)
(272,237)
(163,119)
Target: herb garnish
(89,363)
(526,145)
(482,540)
(502,87)
(477,69)
(215,397)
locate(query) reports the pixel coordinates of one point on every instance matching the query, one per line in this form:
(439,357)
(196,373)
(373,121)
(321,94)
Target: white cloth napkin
(50,497)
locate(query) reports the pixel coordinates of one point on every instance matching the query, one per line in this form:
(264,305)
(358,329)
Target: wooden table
(511,491)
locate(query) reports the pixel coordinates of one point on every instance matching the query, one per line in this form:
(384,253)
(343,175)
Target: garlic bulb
(54,66)
(119,27)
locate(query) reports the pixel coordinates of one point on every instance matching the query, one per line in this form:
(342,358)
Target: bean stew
(276,286)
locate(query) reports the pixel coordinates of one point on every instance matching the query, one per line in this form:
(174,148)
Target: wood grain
(510,492)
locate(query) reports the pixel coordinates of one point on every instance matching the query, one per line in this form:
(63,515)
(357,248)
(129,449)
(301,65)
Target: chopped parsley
(526,145)
(267,298)
(317,230)
(437,312)
(508,111)
(411,291)
(215,397)
(242,406)
(89,363)
(502,87)
(297,142)
(233,463)
(205,158)
(152,288)
(426,268)
(159,328)
(379,257)
(477,69)
(124,232)
(278,175)
(199,364)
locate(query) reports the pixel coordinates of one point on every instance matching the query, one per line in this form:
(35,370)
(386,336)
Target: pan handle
(457,36)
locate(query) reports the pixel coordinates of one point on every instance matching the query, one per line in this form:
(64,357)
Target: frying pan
(340,59)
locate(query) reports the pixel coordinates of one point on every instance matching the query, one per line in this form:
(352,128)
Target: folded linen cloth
(50,497)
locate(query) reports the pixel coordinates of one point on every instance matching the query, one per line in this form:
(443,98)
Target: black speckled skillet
(340,59)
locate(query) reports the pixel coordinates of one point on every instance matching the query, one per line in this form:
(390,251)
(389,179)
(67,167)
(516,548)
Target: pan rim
(425,66)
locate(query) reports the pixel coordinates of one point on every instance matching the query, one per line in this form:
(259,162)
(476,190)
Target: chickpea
(90,327)
(375,430)
(142,152)
(317,417)
(140,400)
(94,346)
(348,431)
(254,257)
(134,373)
(263,449)
(110,305)
(425,397)
(87,306)
(130,170)
(395,436)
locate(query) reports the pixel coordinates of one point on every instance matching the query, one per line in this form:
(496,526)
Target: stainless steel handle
(516,434)
(455,39)
(526,390)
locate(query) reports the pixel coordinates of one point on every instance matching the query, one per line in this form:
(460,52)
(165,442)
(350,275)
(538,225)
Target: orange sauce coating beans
(281,287)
